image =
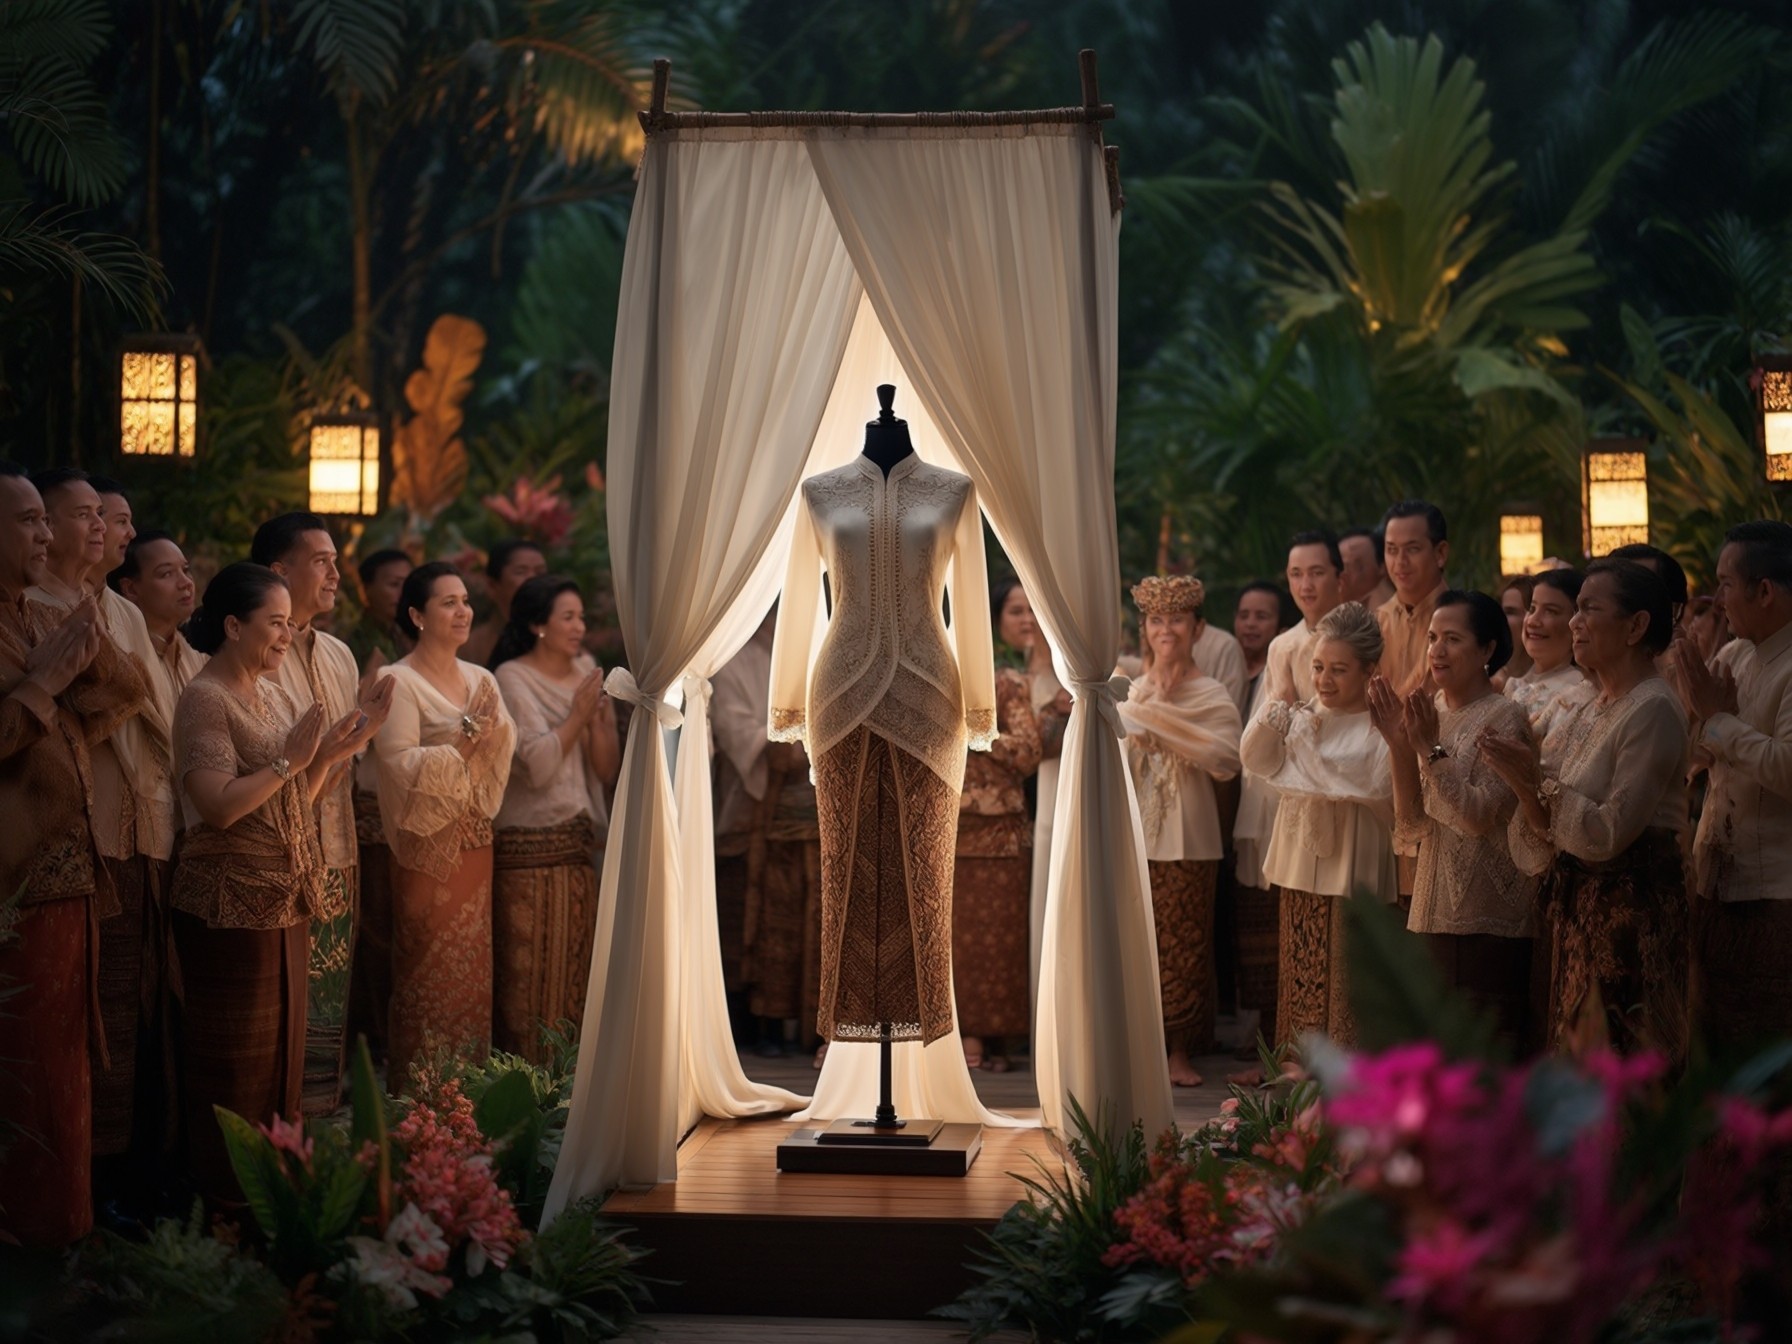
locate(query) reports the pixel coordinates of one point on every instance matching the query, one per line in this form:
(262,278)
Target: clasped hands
(1406,723)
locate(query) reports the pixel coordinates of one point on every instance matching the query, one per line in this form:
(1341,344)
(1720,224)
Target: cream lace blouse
(1466,880)
(1334,830)
(888,661)
(431,798)
(1622,771)
(1178,742)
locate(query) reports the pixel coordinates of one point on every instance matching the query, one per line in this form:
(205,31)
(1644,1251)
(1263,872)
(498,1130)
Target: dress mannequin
(887,704)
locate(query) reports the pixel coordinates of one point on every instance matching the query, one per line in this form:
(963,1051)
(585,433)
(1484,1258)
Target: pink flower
(1435,1266)
(416,1235)
(288,1136)
(594,477)
(540,511)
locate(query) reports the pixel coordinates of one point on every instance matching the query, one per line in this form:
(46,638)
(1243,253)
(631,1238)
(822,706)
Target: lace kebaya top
(1466,880)
(888,661)
(434,803)
(1622,771)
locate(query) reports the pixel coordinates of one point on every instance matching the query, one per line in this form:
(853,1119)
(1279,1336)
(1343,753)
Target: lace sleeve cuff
(788,725)
(980,729)
(1279,714)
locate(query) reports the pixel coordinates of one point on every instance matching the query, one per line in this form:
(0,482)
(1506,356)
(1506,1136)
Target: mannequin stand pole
(886,1106)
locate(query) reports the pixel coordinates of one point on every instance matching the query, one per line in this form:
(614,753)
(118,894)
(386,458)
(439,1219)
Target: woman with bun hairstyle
(443,759)
(549,835)
(1469,900)
(1604,822)
(249,878)
(1332,836)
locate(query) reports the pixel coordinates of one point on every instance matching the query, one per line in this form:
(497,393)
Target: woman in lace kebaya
(250,875)
(443,758)
(550,832)
(1469,901)
(993,869)
(1182,731)
(1605,824)
(1333,831)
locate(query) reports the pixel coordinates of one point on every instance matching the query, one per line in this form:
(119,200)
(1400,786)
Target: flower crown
(1167,594)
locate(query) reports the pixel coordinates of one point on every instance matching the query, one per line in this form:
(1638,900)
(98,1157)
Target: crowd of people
(249,830)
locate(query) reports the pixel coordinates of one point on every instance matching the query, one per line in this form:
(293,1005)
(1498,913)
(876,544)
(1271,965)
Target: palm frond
(356,43)
(51,108)
(1681,63)
(585,82)
(115,269)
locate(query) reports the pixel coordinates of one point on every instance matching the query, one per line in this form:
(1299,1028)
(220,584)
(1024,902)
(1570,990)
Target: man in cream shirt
(1742,854)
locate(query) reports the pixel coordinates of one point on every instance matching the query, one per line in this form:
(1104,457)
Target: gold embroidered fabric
(1622,772)
(433,803)
(1466,881)
(266,871)
(891,548)
(888,830)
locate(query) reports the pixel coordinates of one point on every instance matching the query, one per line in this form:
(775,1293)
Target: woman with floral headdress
(1182,731)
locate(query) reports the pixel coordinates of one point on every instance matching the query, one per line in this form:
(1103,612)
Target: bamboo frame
(657,119)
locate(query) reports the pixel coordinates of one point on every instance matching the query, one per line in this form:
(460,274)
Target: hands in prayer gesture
(1387,714)
(303,739)
(1703,691)
(68,650)
(589,701)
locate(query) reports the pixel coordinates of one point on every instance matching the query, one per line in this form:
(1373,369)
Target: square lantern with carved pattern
(1615,494)
(1773,380)
(344,473)
(158,396)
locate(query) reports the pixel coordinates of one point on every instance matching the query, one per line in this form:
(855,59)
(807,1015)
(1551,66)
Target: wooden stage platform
(740,1237)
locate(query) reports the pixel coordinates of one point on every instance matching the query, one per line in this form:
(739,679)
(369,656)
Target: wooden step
(739,1237)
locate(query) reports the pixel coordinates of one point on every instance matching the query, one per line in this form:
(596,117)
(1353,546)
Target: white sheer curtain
(991,259)
(737,300)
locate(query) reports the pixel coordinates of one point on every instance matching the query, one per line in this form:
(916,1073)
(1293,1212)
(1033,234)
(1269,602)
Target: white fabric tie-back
(1107,694)
(620,685)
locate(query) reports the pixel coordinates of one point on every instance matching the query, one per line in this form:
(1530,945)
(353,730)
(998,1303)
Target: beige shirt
(1743,850)
(1405,639)
(1466,881)
(133,774)
(1334,828)
(1221,657)
(320,669)
(1288,666)
(550,784)
(1621,771)
(1177,744)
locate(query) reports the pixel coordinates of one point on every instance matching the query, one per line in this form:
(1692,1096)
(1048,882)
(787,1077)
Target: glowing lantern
(1521,543)
(345,463)
(1773,377)
(158,396)
(1615,494)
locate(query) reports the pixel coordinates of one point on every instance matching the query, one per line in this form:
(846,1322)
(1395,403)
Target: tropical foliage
(1372,247)
(408,1221)
(1424,1188)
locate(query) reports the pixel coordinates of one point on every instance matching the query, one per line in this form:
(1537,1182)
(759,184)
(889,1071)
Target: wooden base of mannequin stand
(885,1145)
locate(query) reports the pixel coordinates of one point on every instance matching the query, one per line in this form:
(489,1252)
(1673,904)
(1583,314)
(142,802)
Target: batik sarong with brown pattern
(889,827)
(544,920)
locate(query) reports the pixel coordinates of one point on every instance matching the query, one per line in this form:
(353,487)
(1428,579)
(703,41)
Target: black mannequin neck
(887,445)
(886,438)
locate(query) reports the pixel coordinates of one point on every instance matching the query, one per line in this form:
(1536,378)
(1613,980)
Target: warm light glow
(1617,500)
(1521,543)
(158,388)
(1776,422)
(345,465)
